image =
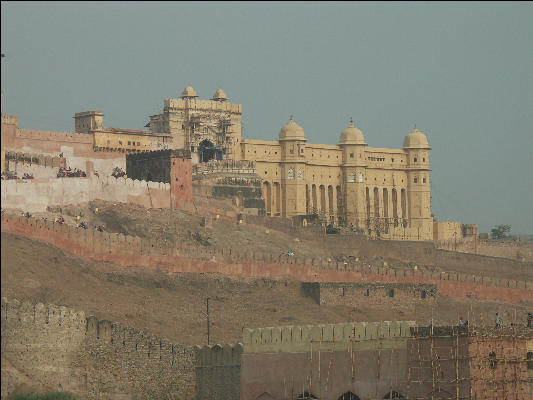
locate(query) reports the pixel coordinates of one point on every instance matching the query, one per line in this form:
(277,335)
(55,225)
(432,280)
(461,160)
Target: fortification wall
(35,195)
(352,335)
(38,171)
(77,148)
(61,349)
(131,251)
(522,251)
(218,372)
(375,294)
(367,359)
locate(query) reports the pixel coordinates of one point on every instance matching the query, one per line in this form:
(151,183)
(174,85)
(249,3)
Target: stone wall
(129,251)
(60,349)
(218,372)
(521,251)
(377,294)
(77,148)
(35,195)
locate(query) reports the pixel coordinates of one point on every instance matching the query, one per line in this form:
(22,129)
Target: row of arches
(387,205)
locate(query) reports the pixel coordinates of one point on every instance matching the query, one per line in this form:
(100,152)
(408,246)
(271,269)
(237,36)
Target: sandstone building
(210,129)
(382,192)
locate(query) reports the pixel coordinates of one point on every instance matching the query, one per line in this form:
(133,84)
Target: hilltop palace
(381,192)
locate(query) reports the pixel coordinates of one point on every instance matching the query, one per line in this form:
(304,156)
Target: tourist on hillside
(461,322)
(498,320)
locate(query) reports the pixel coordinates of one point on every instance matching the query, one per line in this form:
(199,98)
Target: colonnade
(388,205)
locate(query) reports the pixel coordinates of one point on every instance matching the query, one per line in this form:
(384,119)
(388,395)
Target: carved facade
(210,129)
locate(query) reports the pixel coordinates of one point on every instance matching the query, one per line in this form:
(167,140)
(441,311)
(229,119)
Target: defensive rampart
(35,195)
(60,349)
(295,339)
(132,251)
(77,148)
(218,371)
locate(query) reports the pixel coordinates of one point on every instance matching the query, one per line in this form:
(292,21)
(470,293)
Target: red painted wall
(128,251)
(180,182)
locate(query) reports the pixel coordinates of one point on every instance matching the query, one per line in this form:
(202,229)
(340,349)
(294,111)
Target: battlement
(19,313)
(194,104)
(218,355)
(294,339)
(33,158)
(54,136)
(159,154)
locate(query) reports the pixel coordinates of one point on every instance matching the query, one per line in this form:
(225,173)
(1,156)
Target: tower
(352,143)
(87,121)
(292,141)
(417,148)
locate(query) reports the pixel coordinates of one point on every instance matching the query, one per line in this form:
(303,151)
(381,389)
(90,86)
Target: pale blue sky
(463,72)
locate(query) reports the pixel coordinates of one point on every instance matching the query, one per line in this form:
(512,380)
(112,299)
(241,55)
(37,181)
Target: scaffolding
(443,363)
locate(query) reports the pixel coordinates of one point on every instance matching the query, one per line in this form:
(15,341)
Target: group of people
(69,173)
(6,175)
(118,173)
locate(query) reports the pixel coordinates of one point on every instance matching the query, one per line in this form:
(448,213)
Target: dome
(292,131)
(188,92)
(415,140)
(220,95)
(352,135)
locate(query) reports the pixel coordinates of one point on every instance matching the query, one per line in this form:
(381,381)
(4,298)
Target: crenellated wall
(132,251)
(60,349)
(296,339)
(35,195)
(218,372)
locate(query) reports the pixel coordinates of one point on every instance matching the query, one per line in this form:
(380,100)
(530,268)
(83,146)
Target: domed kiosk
(416,140)
(292,131)
(220,95)
(188,93)
(352,135)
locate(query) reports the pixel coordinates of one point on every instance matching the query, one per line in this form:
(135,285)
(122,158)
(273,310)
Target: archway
(322,189)
(267,195)
(349,396)
(207,151)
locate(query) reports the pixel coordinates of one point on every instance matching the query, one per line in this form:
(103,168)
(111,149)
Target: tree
(500,231)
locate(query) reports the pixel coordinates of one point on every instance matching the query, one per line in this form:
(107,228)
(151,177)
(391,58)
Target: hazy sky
(463,72)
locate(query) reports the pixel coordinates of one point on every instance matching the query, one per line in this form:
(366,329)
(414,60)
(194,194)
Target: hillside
(173,306)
